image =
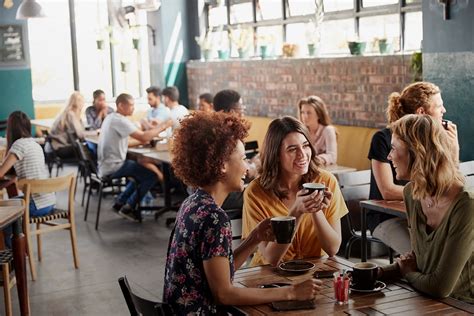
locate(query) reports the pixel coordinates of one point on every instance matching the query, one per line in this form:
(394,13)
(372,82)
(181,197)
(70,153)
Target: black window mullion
(283,14)
(357,6)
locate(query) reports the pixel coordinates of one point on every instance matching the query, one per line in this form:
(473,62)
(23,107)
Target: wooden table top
(396,208)
(9,214)
(395,298)
(44,123)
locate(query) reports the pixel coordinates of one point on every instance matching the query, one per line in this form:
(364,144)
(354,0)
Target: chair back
(251,149)
(140,306)
(85,155)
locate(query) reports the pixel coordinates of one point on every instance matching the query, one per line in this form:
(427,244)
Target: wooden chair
(6,258)
(355,187)
(140,306)
(49,186)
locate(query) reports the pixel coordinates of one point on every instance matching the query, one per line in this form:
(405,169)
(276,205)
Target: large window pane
(93,47)
(413,31)
(374,3)
(377,27)
(241,13)
(296,34)
(272,37)
(334,36)
(300,7)
(242,40)
(50,51)
(217,16)
(269,9)
(338,5)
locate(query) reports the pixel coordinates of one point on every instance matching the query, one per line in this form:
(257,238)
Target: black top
(379,150)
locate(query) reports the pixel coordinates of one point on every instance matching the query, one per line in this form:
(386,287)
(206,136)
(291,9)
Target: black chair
(52,158)
(92,176)
(140,306)
(355,187)
(251,149)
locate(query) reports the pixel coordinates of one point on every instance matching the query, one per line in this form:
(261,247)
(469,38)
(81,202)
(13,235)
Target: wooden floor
(120,247)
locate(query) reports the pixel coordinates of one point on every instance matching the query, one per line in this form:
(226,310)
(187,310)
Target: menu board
(11,44)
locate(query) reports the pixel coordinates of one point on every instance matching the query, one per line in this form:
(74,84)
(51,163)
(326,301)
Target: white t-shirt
(113,142)
(31,165)
(177,114)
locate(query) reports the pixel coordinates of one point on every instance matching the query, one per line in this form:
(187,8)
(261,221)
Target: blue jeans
(146,180)
(34,212)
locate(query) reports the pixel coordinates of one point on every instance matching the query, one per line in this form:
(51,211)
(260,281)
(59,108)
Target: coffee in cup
(445,123)
(283,228)
(311,187)
(364,275)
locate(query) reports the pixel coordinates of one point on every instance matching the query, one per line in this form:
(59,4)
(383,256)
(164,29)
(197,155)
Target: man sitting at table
(177,111)
(158,112)
(112,152)
(99,109)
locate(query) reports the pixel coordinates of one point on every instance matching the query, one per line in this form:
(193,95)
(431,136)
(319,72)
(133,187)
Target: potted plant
(265,44)
(416,65)
(290,50)
(100,39)
(205,43)
(384,46)
(241,38)
(313,28)
(124,66)
(223,44)
(356,47)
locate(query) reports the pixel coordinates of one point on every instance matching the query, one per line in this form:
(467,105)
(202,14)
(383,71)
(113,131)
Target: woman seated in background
(440,210)
(26,156)
(69,121)
(314,115)
(200,263)
(289,160)
(416,98)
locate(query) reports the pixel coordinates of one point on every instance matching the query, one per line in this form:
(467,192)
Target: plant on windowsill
(356,46)
(223,44)
(416,65)
(313,28)
(265,44)
(206,44)
(242,41)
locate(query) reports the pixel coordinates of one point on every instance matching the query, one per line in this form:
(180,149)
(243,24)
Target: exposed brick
(354,88)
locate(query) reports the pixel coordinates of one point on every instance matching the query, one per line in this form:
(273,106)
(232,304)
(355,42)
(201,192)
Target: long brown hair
(270,170)
(18,126)
(319,106)
(414,96)
(432,163)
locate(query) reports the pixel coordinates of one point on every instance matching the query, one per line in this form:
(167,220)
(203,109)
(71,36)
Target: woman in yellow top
(289,160)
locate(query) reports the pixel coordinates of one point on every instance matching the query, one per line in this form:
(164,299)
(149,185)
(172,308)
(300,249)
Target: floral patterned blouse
(202,232)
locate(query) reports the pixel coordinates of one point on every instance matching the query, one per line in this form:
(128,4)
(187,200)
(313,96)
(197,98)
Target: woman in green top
(440,211)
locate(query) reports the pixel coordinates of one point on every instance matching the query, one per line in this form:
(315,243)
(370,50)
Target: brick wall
(354,88)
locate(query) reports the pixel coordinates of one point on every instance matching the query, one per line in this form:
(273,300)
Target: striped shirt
(31,165)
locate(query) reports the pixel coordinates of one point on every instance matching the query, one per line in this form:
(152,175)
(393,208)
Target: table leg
(363,233)
(19,250)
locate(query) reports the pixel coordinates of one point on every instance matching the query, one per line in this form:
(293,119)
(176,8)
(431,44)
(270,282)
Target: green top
(445,255)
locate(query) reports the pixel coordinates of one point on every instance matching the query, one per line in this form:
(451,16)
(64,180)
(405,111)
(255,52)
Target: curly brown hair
(202,145)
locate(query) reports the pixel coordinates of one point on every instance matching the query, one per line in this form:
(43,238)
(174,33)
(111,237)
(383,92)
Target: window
(380,27)
(338,5)
(50,48)
(375,3)
(241,12)
(300,7)
(217,16)
(334,36)
(296,34)
(271,37)
(413,31)
(268,9)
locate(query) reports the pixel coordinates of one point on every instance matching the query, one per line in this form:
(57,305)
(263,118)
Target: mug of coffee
(311,187)
(445,123)
(283,228)
(364,275)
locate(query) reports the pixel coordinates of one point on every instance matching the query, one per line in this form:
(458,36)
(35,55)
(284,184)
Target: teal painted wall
(15,82)
(448,61)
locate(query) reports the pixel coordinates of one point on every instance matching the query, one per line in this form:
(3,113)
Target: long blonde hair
(319,106)
(413,97)
(433,162)
(74,105)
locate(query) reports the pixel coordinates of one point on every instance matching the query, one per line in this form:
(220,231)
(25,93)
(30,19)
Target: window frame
(358,11)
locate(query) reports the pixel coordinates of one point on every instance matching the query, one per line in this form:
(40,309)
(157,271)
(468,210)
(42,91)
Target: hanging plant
(416,65)
(124,66)
(136,43)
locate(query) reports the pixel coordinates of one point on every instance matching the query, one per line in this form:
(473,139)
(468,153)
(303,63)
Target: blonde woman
(314,115)
(69,121)
(416,98)
(440,210)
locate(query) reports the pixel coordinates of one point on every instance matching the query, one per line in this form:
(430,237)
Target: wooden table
(394,208)
(13,214)
(337,169)
(396,298)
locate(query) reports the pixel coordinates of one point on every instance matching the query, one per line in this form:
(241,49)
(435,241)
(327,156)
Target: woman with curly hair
(440,210)
(289,160)
(416,98)
(314,115)
(208,153)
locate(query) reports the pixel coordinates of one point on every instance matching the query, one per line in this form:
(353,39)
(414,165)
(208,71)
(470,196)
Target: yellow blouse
(260,204)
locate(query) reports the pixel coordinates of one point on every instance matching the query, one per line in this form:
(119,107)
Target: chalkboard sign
(11,45)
